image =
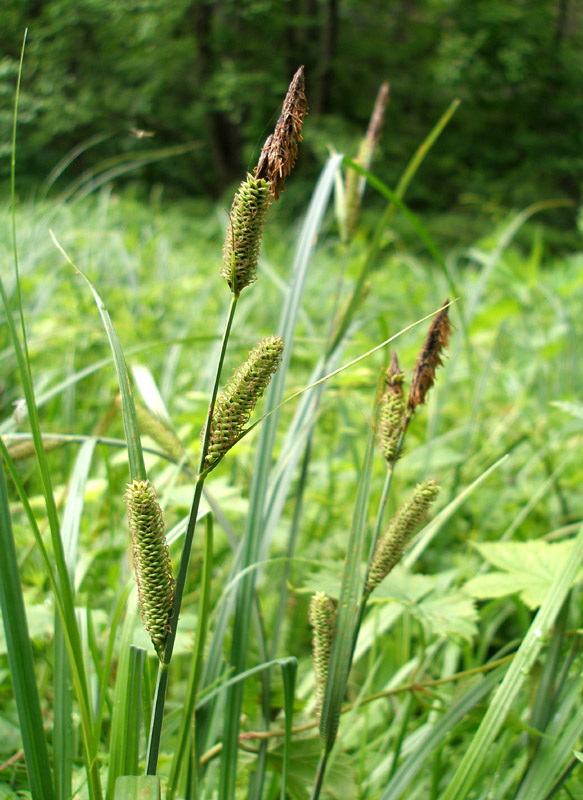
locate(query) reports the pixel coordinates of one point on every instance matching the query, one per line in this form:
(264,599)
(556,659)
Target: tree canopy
(111,82)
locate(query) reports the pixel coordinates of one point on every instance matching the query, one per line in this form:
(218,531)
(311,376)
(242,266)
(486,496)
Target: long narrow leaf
(477,754)
(20,658)
(63,741)
(128,410)
(418,760)
(348,608)
(255,517)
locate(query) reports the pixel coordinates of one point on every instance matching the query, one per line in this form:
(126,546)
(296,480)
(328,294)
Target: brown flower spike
(429,359)
(280,150)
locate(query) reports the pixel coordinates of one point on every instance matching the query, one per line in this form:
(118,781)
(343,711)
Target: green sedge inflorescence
(152,564)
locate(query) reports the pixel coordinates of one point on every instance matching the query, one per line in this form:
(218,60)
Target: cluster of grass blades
(131,718)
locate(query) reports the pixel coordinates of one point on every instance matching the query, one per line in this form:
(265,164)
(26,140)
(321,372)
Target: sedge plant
(202,745)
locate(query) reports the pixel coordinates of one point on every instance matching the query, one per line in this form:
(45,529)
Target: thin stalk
(319,779)
(203,613)
(162,681)
(277,629)
(380,513)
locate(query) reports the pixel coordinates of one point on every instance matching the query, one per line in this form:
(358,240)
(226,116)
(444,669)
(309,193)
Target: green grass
(439,634)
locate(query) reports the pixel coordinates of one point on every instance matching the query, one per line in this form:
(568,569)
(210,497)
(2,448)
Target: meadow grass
(452,673)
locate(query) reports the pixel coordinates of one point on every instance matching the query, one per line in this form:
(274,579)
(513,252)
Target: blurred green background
(112,82)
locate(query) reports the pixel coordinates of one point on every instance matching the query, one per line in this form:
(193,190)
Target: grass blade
(255,517)
(63,741)
(348,608)
(119,721)
(133,709)
(477,754)
(128,410)
(556,746)
(20,658)
(289,669)
(419,759)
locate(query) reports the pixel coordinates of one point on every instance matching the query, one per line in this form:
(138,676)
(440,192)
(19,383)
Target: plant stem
(380,513)
(203,612)
(319,779)
(162,682)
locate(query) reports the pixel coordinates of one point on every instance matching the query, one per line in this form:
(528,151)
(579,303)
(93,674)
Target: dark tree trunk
(223,137)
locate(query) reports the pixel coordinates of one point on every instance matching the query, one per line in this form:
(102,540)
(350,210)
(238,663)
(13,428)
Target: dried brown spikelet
(429,359)
(322,616)
(240,396)
(280,150)
(391,412)
(244,232)
(151,561)
(392,543)
(354,182)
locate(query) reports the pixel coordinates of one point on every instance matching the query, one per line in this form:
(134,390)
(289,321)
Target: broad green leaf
(524,568)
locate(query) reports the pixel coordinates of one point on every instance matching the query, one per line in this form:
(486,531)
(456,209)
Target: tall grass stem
(162,682)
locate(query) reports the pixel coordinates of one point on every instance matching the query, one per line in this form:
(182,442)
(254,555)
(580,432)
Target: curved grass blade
(196,668)
(556,747)
(63,724)
(420,757)
(477,753)
(411,218)
(61,585)
(133,710)
(384,222)
(128,410)
(255,517)
(348,608)
(20,658)
(120,733)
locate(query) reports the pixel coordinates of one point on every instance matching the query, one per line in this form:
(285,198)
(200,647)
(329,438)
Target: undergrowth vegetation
(466,662)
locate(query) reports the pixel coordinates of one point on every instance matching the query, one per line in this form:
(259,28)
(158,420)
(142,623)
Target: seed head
(151,561)
(392,543)
(240,396)
(429,359)
(243,239)
(355,183)
(391,412)
(322,616)
(280,150)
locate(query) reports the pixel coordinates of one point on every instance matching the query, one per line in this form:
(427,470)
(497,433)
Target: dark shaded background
(118,83)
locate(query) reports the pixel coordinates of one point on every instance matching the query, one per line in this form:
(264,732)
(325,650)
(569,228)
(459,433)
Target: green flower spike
(151,561)
(236,402)
(243,239)
(392,543)
(322,616)
(391,412)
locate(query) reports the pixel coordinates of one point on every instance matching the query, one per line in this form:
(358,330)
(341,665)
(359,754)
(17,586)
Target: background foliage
(210,75)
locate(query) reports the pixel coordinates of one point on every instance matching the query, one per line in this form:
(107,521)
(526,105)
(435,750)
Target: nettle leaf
(453,613)
(523,568)
(442,609)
